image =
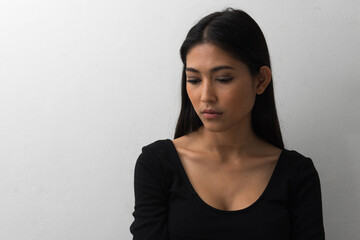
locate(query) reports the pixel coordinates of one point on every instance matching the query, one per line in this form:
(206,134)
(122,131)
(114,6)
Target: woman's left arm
(306,204)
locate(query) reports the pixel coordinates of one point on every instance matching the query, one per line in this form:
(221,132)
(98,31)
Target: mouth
(211,114)
(210,111)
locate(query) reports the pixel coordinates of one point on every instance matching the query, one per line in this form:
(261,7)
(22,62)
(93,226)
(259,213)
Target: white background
(85,84)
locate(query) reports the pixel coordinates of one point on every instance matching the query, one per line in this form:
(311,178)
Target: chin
(214,127)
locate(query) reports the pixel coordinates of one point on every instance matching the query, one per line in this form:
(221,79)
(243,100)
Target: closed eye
(193,81)
(223,80)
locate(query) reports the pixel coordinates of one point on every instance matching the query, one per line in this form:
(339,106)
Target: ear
(263,79)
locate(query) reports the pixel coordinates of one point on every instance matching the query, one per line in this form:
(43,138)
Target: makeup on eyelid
(224,80)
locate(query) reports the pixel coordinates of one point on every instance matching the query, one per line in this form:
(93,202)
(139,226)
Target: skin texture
(225,151)
(231,133)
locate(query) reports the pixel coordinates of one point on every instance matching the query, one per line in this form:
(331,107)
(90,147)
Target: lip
(212,115)
(210,111)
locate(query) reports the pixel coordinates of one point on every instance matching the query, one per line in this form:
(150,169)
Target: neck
(233,143)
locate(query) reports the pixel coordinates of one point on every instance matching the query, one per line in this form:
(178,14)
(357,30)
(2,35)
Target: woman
(226,175)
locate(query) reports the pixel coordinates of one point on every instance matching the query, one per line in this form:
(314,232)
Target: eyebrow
(211,70)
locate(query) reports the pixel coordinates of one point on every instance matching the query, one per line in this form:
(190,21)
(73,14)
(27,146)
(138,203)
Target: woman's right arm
(151,201)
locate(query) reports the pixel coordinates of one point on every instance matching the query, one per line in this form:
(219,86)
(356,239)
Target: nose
(208,93)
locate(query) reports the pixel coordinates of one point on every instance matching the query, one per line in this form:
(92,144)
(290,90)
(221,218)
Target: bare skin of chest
(227,186)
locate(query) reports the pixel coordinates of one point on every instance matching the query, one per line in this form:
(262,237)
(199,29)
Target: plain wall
(85,84)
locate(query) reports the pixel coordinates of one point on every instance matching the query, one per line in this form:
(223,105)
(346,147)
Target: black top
(167,206)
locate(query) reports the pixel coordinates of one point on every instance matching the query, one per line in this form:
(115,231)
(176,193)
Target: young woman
(226,175)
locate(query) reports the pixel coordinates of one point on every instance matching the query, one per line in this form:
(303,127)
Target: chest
(224,206)
(227,187)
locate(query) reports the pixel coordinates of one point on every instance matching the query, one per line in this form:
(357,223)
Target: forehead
(207,54)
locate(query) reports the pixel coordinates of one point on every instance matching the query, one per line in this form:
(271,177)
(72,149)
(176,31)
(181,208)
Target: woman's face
(217,81)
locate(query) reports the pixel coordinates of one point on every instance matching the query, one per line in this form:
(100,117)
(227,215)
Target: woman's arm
(306,204)
(151,202)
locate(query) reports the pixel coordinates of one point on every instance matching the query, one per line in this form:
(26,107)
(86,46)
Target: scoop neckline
(219,211)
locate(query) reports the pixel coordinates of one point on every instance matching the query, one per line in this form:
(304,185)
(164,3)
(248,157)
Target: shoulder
(300,168)
(150,171)
(297,160)
(153,155)
(158,147)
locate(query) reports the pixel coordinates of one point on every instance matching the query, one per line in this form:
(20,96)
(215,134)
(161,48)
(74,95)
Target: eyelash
(222,80)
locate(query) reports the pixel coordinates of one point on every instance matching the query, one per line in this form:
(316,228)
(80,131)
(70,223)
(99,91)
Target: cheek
(192,96)
(239,99)
(189,93)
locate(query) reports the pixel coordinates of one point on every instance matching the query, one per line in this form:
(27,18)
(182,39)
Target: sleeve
(151,201)
(306,204)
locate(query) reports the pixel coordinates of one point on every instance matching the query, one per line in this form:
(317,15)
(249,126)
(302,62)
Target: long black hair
(237,33)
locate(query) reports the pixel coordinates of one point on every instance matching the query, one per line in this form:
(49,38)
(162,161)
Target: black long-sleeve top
(168,208)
